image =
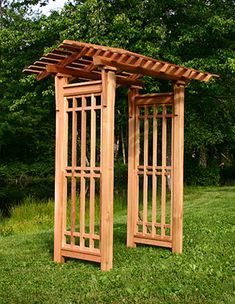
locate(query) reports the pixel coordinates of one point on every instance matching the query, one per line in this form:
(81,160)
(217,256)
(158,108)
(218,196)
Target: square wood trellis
(84,172)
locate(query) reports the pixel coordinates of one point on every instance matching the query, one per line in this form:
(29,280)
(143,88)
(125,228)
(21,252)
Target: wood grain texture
(178,169)
(132,181)
(60,164)
(163,201)
(107,170)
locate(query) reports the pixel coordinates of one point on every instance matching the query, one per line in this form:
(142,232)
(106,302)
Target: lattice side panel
(154,170)
(81,224)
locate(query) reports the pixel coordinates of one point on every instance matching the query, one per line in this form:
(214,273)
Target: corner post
(178,167)
(132,187)
(60,163)
(107,166)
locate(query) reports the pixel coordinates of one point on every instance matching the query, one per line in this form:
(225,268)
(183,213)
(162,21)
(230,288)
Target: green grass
(202,274)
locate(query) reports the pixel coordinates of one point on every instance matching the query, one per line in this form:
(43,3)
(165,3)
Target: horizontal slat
(72,85)
(83,88)
(148,236)
(155,116)
(36,67)
(142,96)
(154,224)
(89,108)
(153,242)
(153,173)
(149,99)
(82,255)
(84,168)
(88,175)
(85,235)
(32,71)
(155,167)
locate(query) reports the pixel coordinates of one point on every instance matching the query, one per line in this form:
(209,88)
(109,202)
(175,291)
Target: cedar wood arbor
(84,171)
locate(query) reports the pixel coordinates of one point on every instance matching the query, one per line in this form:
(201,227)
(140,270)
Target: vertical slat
(163,203)
(60,164)
(137,162)
(92,164)
(154,176)
(145,190)
(83,180)
(65,148)
(132,187)
(74,163)
(107,171)
(172,171)
(178,168)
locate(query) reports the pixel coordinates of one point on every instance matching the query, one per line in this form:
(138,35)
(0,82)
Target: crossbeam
(54,69)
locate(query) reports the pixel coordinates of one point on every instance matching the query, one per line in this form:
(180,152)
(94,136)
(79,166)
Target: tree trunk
(203,157)
(123,148)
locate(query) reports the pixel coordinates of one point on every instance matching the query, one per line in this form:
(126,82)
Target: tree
(196,33)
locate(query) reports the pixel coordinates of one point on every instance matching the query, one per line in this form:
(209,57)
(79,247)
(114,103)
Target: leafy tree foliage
(197,34)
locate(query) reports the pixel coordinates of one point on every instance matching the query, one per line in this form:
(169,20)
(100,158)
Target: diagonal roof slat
(73,57)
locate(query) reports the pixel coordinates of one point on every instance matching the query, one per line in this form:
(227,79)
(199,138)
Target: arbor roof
(83,60)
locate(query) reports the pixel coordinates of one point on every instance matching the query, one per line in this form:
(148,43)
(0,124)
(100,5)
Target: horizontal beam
(54,69)
(152,241)
(149,99)
(82,255)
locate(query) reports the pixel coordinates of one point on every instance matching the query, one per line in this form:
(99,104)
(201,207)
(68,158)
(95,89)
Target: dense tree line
(198,34)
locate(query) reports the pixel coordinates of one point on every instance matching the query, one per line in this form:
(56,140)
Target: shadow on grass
(120,249)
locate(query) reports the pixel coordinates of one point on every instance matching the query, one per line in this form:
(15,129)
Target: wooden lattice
(153,120)
(82,60)
(82,220)
(82,172)
(85,149)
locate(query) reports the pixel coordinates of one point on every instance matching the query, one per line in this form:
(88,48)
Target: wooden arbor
(85,146)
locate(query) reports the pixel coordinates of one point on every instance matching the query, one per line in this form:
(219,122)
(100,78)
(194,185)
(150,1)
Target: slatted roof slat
(131,66)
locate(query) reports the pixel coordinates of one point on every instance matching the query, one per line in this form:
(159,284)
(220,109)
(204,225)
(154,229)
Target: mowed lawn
(202,274)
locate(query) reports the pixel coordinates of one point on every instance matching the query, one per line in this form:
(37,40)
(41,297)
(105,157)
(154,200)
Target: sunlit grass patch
(146,274)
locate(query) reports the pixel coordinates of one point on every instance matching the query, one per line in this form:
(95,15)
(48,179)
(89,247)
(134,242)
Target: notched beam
(54,69)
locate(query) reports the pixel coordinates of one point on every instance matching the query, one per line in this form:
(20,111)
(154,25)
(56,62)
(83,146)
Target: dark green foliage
(227,174)
(197,34)
(19,180)
(202,176)
(120,178)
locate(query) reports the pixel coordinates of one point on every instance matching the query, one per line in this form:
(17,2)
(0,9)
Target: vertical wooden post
(60,163)
(132,187)
(107,167)
(178,168)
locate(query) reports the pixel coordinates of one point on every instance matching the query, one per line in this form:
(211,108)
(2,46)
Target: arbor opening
(86,78)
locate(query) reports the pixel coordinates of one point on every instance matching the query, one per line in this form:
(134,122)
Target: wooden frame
(71,238)
(178,168)
(107,168)
(84,171)
(147,215)
(82,99)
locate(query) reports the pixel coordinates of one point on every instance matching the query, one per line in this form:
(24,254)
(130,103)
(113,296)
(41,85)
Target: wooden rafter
(86,57)
(54,69)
